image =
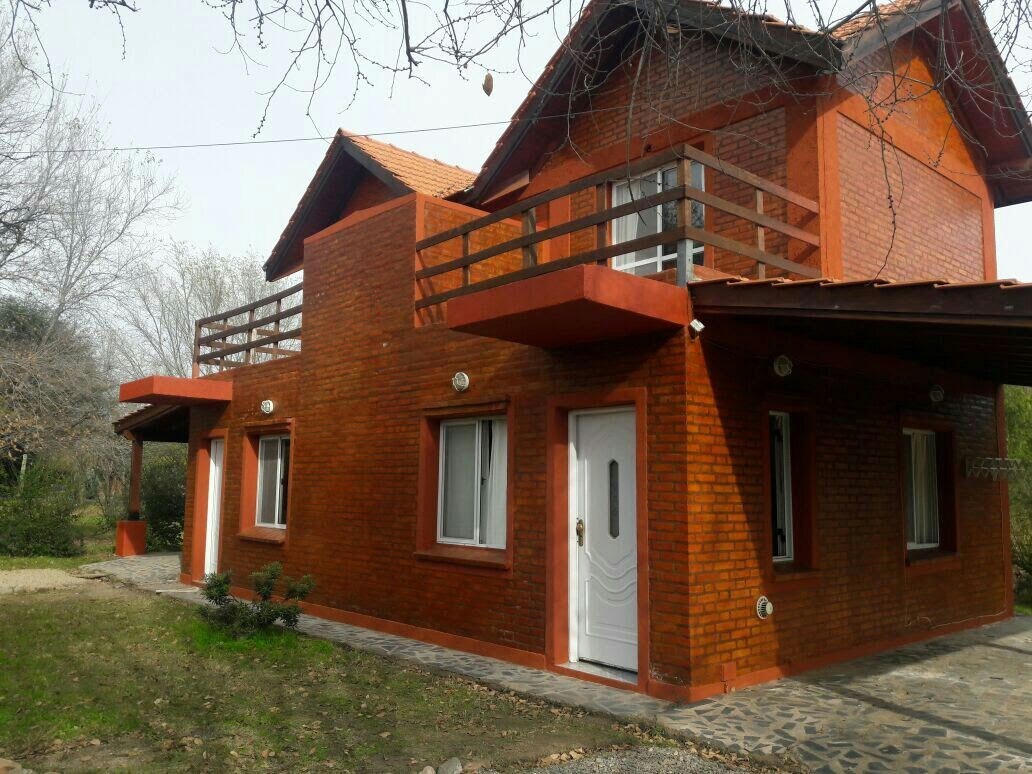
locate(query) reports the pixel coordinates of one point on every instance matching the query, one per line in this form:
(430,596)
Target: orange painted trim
(357,217)
(247,528)
(989,238)
(176,390)
(272,535)
(689,693)
(830,200)
(470,558)
(130,538)
(557,534)
(432,636)
(803,458)
(948,473)
(202,474)
(574,305)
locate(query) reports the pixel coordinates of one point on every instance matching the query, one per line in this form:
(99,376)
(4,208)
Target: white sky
(175,87)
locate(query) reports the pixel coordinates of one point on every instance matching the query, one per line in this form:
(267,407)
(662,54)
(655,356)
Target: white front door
(604,545)
(211,537)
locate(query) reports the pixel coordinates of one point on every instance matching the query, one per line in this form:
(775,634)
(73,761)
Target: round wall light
(460,381)
(267,406)
(764,608)
(783,366)
(936,393)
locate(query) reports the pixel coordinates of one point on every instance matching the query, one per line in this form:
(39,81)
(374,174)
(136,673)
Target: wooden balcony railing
(266,329)
(514,256)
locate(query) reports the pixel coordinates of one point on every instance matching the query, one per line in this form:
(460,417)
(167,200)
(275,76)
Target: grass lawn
(98,545)
(103,678)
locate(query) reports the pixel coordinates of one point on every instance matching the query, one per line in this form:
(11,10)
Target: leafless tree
(180,286)
(27,173)
(97,229)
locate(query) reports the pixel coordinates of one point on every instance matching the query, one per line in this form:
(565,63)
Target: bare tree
(27,173)
(97,229)
(173,293)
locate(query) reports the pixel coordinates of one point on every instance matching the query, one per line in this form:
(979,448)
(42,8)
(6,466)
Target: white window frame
(695,250)
(786,484)
(911,508)
(473,542)
(279,514)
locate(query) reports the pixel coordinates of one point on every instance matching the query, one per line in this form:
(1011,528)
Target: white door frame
(574,479)
(213,519)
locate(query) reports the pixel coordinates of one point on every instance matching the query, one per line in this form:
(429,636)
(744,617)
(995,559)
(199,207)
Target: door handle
(580,532)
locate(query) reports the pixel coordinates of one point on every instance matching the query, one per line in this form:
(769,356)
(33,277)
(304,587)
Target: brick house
(665,397)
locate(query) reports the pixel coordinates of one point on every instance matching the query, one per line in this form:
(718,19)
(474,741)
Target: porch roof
(163,424)
(982,329)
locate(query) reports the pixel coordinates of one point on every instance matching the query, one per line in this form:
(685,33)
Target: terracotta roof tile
(421,174)
(884,12)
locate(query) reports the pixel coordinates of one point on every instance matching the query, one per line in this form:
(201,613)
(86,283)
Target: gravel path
(20,581)
(643,760)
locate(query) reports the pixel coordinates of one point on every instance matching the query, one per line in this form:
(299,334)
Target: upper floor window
(921,488)
(472,482)
(653,220)
(273,475)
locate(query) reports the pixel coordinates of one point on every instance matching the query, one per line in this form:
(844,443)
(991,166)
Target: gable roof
(419,173)
(346,160)
(997,109)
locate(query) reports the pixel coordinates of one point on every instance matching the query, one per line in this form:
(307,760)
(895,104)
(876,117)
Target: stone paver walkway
(958,703)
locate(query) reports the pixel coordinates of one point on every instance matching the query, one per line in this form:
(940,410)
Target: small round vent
(764,608)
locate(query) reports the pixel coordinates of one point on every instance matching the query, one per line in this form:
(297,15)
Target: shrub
(242,619)
(163,498)
(38,515)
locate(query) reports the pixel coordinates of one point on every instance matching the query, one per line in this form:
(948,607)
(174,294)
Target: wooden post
(465,254)
(195,369)
(225,324)
(250,335)
(529,227)
(135,474)
(761,236)
(602,229)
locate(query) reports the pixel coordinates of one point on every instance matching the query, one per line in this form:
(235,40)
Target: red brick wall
(911,187)
(860,593)
(368,374)
(902,219)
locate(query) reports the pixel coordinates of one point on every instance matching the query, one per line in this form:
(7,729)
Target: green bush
(163,498)
(38,515)
(242,619)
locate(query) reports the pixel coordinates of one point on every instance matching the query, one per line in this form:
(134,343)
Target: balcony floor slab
(572,306)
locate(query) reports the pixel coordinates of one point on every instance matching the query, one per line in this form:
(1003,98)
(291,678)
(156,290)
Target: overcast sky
(175,86)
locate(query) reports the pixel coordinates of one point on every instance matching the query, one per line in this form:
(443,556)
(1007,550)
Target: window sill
(788,576)
(931,560)
(491,558)
(264,535)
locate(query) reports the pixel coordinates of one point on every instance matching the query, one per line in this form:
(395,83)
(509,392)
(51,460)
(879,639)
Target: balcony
(265,330)
(530,272)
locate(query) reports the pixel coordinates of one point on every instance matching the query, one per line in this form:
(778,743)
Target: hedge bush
(241,619)
(163,498)
(38,514)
